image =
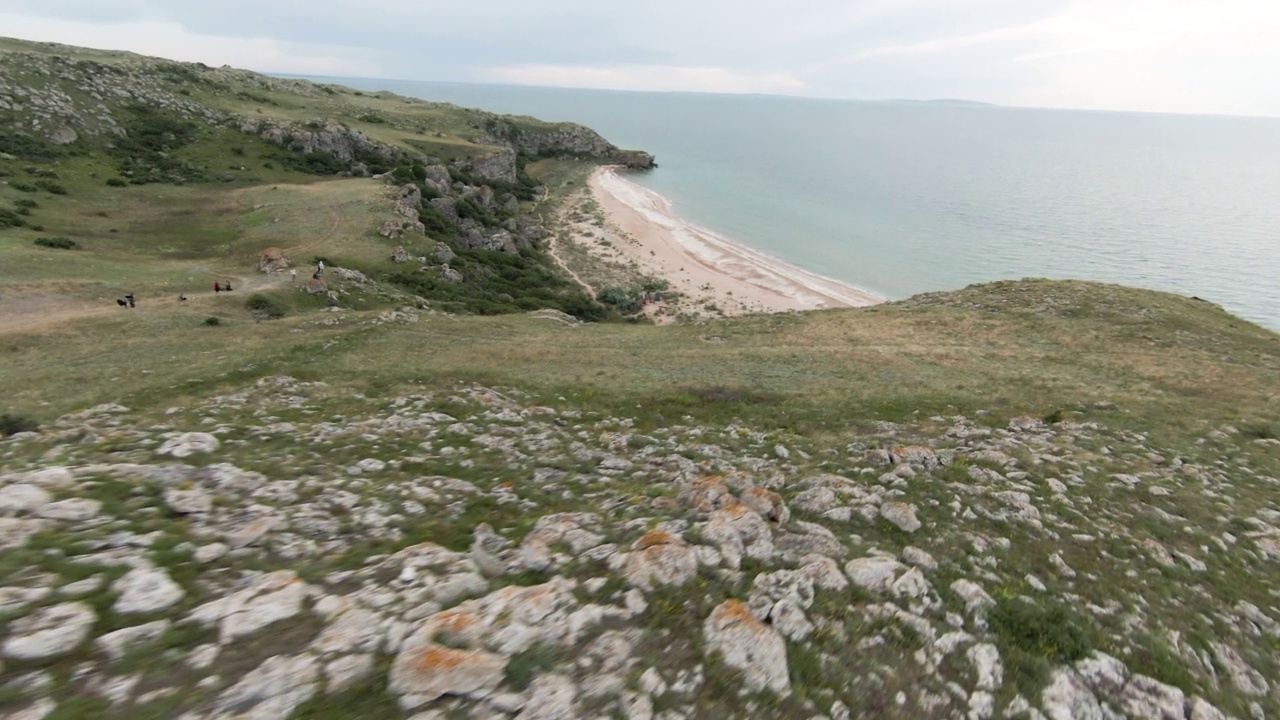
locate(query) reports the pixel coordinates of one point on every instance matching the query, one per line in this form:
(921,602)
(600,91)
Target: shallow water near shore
(901,198)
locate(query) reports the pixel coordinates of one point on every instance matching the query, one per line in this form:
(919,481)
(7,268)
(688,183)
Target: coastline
(714,274)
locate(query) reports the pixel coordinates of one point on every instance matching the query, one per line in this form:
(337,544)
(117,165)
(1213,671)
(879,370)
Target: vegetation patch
(262,306)
(1033,637)
(13,424)
(57,243)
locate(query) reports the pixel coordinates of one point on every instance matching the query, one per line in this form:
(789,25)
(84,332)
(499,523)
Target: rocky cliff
(60,95)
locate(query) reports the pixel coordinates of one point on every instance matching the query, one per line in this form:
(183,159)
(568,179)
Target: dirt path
(36,308)
(552,246)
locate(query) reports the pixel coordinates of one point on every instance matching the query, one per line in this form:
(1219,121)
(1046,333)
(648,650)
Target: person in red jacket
(217,286)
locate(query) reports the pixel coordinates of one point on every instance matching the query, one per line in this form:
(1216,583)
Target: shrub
(117,182)
(51,187)
(262,306)
(22,186)
(1054,417)
(212,321)
(14,424)
(10,218)
(621,298)
(26,203)
(1047,630)
(57,243)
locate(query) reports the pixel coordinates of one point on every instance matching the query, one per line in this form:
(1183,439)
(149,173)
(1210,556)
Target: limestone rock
(873,573)
(738,532)
(115,644)
(340,674)
(748,645)
(273,689)
(145,590)
(14,532)
(1244,677)
(1068,698)
(355,631)
(789,620)
(767,504)
(188,501)
(902,515)
(550,698)
(660,558)
(975,598)
(1150,699)
(424,671)
(188,444)
(22,498)
(269,598)
(71,509)
(49,632)
(985,659)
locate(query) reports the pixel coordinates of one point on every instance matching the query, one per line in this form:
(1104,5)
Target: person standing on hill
(217,286)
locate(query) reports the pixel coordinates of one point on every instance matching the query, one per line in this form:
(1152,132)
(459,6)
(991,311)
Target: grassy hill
(1018,498)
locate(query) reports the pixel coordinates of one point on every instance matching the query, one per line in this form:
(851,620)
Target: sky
(1190,56)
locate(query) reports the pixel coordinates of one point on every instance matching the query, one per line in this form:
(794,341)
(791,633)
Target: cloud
(175,42)
(646,78)
(1169,55)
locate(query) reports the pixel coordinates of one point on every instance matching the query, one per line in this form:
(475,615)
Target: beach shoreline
(712,274)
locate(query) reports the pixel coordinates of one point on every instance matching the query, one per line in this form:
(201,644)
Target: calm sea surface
(901,198)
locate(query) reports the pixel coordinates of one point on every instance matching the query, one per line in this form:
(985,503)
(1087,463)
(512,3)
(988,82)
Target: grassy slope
(1172,364)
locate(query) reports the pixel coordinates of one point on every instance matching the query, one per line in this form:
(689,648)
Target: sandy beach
(713,274)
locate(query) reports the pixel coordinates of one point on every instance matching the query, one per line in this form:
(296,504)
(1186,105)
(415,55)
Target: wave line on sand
(752,278)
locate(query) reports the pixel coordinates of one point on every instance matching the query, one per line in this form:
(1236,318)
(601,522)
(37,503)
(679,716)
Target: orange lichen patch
(506,485)
(654,538)
(733,612)
(454,622)
(734,509)
(767,497)
(437,658)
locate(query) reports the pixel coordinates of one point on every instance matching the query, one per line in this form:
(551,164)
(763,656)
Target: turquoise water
(901,198)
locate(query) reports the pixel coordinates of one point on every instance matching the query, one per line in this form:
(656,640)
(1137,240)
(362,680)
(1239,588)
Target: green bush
(10,218)
(1046,630)
(263,306)
(26,203)
(14,424)
(624,300)
(117,182)
(57,243)
(212,321)
(22,186)
(26,147)
(52,187)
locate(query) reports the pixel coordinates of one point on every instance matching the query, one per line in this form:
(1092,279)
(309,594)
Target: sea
(902,197)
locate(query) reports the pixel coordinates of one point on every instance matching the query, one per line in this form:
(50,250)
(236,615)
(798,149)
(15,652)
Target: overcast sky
(1208,56)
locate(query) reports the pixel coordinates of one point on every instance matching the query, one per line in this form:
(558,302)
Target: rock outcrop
(591,568)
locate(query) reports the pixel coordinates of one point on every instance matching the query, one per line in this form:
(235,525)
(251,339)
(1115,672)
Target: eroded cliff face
(566,139)
(54,97)
(325,136)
